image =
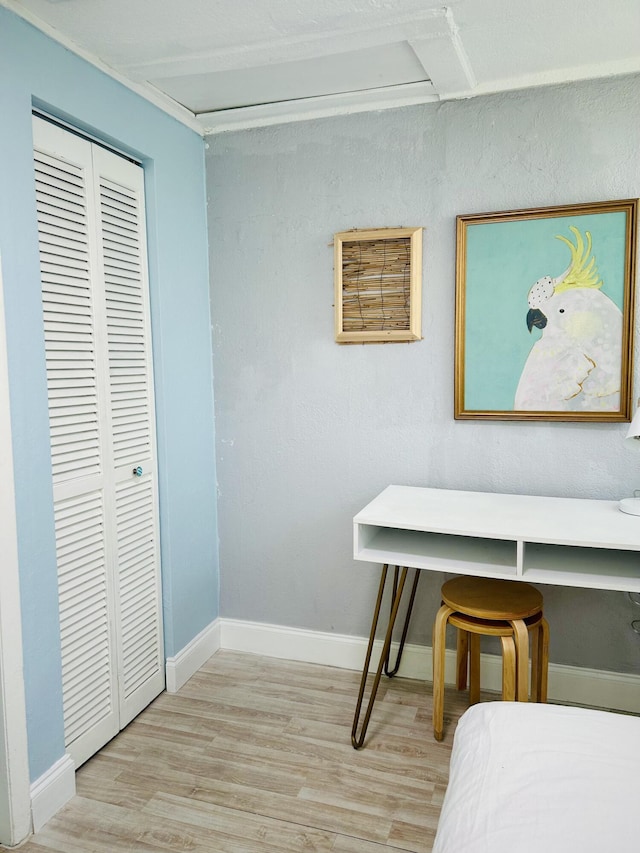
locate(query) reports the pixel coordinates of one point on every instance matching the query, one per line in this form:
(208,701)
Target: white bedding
(529,778)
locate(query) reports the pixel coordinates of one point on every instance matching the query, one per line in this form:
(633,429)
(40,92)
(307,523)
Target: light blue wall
(35,69)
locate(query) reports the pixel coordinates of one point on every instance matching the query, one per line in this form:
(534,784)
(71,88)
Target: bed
(544,778)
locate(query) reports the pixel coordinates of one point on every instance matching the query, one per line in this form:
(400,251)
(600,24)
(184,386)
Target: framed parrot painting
(544,313)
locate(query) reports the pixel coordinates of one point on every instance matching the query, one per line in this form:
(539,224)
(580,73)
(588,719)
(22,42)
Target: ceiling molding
(444,59)
(562,76)
(321,107)
(149,93)
(429,24)
(460,50)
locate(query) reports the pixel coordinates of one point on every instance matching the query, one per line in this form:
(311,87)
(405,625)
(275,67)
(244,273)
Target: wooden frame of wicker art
(378,283)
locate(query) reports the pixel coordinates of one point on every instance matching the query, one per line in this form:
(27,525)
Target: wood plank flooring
(254,754)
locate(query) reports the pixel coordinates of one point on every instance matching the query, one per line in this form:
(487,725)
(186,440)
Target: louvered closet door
(77,416)
(119,187)
(101,416)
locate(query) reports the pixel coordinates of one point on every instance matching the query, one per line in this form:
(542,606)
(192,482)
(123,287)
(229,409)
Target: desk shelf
(438,552)
(571,565)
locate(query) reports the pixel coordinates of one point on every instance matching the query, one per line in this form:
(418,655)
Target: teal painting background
(503,260)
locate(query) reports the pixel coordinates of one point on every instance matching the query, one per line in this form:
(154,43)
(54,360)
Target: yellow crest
(583,271)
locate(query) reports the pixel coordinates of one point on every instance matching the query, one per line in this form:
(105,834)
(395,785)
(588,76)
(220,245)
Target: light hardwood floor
(254,754)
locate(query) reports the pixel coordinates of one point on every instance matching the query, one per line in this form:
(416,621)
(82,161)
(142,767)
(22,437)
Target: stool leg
(543,660)
(508,669)
(462,658)
(439,637)
(521,637)
(535,663)
(474,669)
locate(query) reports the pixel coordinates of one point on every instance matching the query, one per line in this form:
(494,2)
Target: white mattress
(528,778)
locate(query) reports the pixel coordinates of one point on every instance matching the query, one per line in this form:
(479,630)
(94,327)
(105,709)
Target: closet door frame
(15,794)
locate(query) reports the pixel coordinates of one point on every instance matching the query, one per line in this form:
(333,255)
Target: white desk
(564,541)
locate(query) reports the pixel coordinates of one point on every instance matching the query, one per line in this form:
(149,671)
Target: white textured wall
(309,431)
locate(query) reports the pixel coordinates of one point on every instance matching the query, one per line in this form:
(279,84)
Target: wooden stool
(469,631)
(491,607)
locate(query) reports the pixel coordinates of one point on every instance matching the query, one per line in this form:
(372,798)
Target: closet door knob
(137,472)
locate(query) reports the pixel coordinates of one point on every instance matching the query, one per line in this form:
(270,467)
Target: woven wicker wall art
(378,282)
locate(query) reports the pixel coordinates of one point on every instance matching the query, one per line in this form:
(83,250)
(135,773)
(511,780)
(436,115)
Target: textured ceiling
(244,62)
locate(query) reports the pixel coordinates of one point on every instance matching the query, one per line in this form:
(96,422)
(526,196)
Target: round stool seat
(491,598)
(490,627)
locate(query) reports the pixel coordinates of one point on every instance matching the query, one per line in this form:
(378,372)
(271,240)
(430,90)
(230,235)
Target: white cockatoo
(576,364)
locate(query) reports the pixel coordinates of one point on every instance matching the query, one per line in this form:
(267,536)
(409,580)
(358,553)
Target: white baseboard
(574,685)
(618,691)
(52,791)
(180,668)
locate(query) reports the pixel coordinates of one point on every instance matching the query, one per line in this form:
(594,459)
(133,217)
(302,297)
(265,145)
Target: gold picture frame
(545,313)
(378,282)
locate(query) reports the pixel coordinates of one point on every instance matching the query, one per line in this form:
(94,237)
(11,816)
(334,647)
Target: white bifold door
(91,224)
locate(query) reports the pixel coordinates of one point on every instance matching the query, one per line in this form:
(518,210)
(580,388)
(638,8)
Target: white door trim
(15,798)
